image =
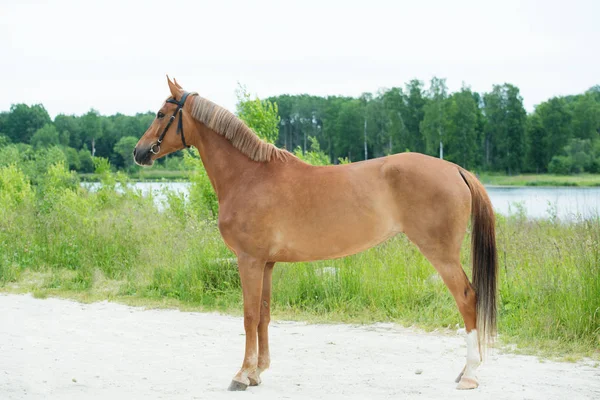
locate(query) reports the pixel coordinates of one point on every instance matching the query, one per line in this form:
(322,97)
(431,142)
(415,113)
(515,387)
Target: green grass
(540,180)
(65,241)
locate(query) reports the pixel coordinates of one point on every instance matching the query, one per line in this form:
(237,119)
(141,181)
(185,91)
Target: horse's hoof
(236,386)
(467,383)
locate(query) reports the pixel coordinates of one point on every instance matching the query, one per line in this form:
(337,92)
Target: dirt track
(58,349)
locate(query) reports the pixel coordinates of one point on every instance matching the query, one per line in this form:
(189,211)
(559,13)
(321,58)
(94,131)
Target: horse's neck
(224,163)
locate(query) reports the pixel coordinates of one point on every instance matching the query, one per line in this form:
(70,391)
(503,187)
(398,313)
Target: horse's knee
(251,320)
(464,295)
(265,319)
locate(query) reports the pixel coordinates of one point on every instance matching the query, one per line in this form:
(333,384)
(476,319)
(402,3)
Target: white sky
(113,55)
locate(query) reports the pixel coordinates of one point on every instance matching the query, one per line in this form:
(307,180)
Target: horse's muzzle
(142,156)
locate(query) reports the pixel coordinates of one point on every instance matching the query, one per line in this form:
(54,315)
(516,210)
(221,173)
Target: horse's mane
(235,130)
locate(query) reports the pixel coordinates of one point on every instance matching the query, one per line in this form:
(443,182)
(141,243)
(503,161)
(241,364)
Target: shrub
(560,165)
(203,198)
(15,189)
(314,156)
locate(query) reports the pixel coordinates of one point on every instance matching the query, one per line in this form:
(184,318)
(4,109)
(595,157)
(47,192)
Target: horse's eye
(159,115)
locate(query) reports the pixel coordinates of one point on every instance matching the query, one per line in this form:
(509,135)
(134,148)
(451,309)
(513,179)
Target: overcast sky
(113,55)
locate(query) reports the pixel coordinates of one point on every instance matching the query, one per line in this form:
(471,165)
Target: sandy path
(59,349)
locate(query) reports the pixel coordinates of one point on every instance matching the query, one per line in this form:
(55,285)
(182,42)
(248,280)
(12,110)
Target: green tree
(86,161)
(394,104)
(3,119)
(504,142)
(331,125)
(10,154)
(314,156)
(349,131)
(586,116)
(556,122)
(513,149)
(72,156)
(91,124)
(576,157)
(462,145)
(494,127)
(415,112)
(69,125)
(23,120)
(284,106)
(481,123)
(64,138)
(366,100)
(43,159)
(260,115)
(4,140)
(307,117)
(434,124)
(46,136)
(124,148)
(377,125)
(536,160)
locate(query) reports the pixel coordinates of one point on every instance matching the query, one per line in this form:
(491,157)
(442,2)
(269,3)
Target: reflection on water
(534,202)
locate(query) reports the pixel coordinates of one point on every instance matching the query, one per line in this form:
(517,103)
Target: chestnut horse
(275,208)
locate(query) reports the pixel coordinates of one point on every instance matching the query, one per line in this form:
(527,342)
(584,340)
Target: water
(535,202)
(156,188)
(548,202)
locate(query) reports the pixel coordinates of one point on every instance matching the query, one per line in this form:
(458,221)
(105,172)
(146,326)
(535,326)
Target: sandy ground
(59,349)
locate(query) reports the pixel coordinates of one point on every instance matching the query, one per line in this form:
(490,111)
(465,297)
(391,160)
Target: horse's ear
(177,84)
(175,91)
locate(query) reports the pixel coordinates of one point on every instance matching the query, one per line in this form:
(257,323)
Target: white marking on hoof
(254,378)
(467,378)
(467,383)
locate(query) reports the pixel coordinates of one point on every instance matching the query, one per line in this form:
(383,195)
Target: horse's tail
(484,258)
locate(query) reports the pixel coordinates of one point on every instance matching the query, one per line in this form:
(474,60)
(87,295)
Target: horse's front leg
(264,359)
(251,275)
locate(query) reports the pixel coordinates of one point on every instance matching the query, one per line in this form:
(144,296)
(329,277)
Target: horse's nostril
(134,151)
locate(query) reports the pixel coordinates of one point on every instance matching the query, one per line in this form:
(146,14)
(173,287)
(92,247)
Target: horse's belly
(326,242)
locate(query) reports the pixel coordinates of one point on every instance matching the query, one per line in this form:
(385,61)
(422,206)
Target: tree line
(80,138)
(482,131)
(489,131)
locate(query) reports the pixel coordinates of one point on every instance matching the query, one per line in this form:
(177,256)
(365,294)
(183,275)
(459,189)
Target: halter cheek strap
(155,148)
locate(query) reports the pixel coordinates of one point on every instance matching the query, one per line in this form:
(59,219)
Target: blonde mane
(235,130)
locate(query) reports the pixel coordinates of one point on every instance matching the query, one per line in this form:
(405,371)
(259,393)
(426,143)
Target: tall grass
(57,238)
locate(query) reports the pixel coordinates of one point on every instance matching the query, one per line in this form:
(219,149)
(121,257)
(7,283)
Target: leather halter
(155,148)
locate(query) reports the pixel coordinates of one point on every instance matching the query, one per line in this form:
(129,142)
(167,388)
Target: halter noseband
(155,148)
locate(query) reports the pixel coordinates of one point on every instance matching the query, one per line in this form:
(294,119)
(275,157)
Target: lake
(566,203)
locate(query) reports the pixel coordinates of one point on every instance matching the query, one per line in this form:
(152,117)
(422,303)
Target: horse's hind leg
(454,277)
(465,298)
(440,241)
